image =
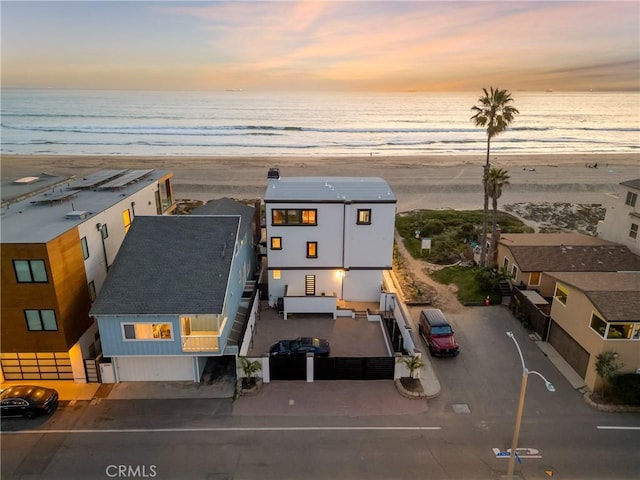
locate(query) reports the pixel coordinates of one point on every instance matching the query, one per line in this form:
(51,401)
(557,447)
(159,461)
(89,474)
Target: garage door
(154,369)
(571,351)
(36,366)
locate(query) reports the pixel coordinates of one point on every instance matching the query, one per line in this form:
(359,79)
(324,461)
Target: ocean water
(244,123)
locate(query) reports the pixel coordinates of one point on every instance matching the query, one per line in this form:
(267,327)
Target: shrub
(625,388)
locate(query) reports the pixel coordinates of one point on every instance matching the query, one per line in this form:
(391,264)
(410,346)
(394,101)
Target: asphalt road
(459,437)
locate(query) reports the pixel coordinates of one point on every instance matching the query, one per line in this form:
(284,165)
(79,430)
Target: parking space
(349,337)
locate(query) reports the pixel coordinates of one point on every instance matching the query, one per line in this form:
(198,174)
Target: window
(38,320)
(276,243)
(30,271)
(276,274)
(613,331)
(85,247)
(633,231)
(631,199)
(126,219)
(92,291)
(534,278)
(293,217)
(146,331)
(104,231)
(514,271)
(312,249)
(309,284)
(364,216)
(561,294)
(505,263)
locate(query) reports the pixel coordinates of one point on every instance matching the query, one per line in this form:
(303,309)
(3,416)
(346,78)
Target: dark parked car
(27,401)
(300,346)
(437,332)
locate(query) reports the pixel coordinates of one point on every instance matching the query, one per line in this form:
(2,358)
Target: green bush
(450,231)
(625,389)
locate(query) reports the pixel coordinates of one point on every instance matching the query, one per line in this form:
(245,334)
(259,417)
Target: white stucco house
(329,240)
(622,220)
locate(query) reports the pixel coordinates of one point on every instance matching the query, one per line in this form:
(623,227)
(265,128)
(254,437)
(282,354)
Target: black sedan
(300,346)
(27,401)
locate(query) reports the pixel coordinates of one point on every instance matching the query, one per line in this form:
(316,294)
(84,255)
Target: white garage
(154,369)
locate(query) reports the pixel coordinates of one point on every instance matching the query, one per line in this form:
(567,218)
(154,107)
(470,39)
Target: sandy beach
(417,181)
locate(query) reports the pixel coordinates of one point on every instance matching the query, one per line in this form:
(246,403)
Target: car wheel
(29,415)
(432,351)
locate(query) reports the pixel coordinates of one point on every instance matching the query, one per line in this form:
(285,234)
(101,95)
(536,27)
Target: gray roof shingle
(170,265)
(615,294)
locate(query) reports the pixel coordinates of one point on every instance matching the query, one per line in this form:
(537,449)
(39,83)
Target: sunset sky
(331,45)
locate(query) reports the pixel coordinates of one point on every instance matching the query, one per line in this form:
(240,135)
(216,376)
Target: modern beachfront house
(329,240)
(621,223)
(60,236)
(177,296)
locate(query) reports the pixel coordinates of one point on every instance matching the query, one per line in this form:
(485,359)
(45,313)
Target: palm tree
(496,179)
(493,112)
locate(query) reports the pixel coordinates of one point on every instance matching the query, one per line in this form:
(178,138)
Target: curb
(605,407)
(408,394)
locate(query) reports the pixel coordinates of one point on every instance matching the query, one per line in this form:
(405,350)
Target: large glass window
(291,216)
(30,271)
(38,320)
(92,291)
(615,330)
(146,331)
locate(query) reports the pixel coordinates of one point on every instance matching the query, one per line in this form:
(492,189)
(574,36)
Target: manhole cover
(461,408)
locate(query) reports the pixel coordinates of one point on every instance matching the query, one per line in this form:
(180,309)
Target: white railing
(200,343)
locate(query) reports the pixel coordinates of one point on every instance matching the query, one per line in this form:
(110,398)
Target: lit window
(312,249)
(633,231)
(126,219)
(293,217)
(276,243)
(85,247)
(631,199)
(39,320)
(561,294)
(364,216)
(276,274)
(30,271)
(146,331)
(534,278)
(598,324)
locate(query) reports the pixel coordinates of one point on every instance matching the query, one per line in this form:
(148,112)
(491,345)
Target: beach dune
(417,181)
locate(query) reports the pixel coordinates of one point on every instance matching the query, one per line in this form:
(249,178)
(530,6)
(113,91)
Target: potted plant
(249,369)
(411,383)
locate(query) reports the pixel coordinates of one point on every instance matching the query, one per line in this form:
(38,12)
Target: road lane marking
(613,427)
(219,429)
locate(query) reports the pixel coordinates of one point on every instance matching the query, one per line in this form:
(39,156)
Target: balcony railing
(200,343)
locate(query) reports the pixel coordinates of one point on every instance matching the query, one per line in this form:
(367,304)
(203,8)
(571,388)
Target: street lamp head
(549,386)
(510,334)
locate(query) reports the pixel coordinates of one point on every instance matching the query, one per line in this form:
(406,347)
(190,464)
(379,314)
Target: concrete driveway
(349,337)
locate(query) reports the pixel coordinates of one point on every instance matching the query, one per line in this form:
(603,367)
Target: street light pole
(523,391)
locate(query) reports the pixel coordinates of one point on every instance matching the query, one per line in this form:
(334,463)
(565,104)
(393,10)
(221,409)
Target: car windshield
(294,345)
(443,330)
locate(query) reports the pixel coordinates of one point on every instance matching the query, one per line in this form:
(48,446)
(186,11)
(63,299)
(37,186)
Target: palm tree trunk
(485,212)
(494,231)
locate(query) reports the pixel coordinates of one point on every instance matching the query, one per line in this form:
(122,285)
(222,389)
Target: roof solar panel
(130,177)
(96,178)
(55,196)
